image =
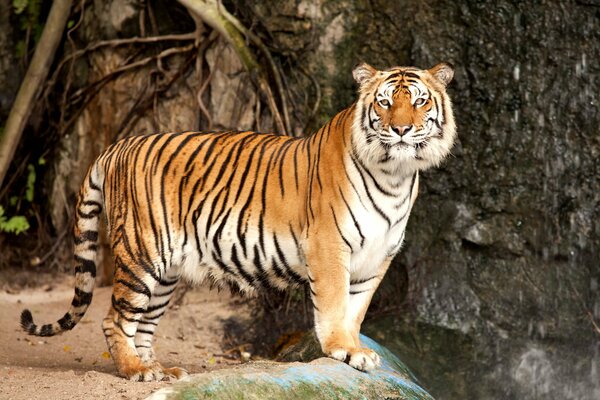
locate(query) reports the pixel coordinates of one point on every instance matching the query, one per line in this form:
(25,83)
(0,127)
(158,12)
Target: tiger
(327,211)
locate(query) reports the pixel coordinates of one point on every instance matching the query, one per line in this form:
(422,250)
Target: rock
(448,362)
(321,378)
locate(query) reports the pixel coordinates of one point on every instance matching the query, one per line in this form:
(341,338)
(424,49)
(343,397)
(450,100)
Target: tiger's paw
(175,372)
(155,372)
(360,358)
(364,359)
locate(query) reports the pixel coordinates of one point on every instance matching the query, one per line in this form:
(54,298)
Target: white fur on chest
(382,219)
(379,243)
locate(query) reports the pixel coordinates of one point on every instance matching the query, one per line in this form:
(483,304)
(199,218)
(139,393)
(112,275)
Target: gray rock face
(321,378)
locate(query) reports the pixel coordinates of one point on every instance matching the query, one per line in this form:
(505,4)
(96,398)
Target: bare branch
(214,14)
(274,69)
(118,42)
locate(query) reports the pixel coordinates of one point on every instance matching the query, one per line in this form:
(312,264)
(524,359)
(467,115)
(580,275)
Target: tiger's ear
(444,72)
(363,72)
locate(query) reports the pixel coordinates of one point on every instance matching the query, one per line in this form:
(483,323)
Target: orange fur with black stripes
(261,210)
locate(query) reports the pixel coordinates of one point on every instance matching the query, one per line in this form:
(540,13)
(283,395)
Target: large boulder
(321,378)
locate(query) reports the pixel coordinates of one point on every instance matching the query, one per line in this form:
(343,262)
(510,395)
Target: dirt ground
(75,365)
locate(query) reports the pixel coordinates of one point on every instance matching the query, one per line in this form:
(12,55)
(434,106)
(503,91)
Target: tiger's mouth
(410,147)
(417,141)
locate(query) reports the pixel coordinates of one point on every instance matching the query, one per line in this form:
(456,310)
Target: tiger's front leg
(329,285)
(361,293)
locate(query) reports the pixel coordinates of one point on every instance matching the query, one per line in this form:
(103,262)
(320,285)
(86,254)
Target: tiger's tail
(89,208)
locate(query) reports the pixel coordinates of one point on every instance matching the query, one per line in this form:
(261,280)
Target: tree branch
(214,14)
(32,83)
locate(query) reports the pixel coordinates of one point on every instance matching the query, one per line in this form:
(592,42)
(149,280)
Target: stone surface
(453,365)
(321,378)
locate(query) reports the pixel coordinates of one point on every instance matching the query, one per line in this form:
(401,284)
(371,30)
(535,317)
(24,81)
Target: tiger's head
(404,116)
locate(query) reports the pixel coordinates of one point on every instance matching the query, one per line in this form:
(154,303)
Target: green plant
(18,223)
(29,12)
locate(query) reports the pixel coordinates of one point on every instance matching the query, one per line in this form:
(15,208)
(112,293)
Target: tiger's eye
(385,103)
(420,101)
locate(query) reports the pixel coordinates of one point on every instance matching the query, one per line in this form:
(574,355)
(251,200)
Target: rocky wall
(501,256)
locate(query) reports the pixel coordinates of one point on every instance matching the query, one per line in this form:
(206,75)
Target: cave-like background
(496,292)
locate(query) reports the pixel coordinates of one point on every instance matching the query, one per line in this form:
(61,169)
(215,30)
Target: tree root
(214,14)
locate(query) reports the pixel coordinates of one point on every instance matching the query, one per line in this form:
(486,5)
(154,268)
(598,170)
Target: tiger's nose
(401,130)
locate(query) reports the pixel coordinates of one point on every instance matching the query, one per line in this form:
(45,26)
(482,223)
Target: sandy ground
(75,365)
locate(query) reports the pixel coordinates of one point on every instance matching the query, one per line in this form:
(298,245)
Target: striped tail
(89,208)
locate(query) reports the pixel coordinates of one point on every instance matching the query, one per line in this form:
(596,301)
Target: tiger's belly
(248,262)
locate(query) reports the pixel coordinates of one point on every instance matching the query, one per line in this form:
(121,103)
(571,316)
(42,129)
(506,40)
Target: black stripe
(222,265)
(150,309)
(157,316)
(90,215)
(379,211)
(278,271)
(46,330)
(66,322)
(123,304)
(354,188)
(261,276)
(281,156)
(240,268)
(118,325)
(81,298)
(85,266)
(138,285)
(339,230)
(382,190)
(296,149)
(144,322)
(86,236)
(362,280)
(288,270)
(167,293)
(371,124)
(92,203)
(92,185)
(362,237)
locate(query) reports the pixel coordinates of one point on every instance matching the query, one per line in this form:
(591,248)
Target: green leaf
(70,24)
(20,6)
(17,224)
(30,183)
(42,161)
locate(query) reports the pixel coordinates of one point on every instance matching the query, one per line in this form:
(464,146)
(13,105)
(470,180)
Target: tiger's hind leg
(149,322)
(134,284)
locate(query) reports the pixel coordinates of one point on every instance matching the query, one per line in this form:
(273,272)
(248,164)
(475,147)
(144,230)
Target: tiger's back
(201,215)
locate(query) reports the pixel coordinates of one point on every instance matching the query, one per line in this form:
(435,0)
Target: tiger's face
(404,115)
